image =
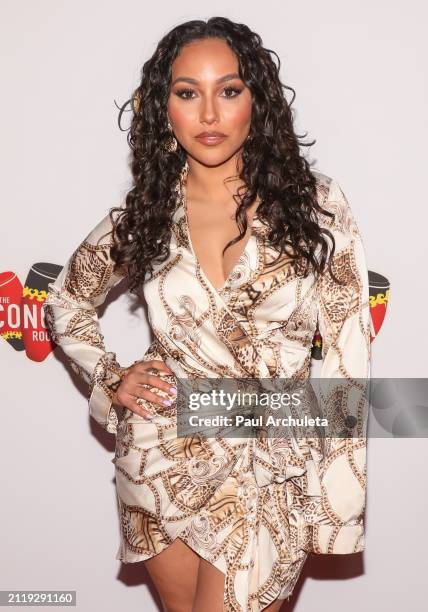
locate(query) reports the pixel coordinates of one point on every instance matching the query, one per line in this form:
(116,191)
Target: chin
(212,158)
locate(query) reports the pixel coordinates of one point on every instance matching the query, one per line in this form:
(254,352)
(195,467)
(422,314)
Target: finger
(152,380)
(150,396)
(141,376)
(131,404)
(133,388)
(153,363)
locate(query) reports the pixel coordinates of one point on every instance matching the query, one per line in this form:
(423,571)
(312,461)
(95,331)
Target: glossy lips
(211,138)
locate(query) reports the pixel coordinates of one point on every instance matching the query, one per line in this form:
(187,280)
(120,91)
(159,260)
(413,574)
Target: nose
(208,110)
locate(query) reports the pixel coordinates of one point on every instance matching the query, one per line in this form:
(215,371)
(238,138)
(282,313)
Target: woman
(222,523)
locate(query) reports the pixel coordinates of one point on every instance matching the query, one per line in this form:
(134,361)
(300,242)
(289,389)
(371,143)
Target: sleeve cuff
(105,380)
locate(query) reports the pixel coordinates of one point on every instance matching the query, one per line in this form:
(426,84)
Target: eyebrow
(226,77)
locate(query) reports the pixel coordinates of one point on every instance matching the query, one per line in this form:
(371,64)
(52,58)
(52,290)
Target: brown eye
(184,93)
(232,92)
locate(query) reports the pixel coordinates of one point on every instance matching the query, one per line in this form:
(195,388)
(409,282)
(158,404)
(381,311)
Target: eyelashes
(185,94)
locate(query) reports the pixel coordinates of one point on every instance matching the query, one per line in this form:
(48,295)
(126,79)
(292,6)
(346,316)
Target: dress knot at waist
(275,460)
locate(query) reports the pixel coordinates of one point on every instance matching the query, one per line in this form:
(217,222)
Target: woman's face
(206,96)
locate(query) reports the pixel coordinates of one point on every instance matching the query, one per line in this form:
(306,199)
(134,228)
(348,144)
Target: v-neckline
(183,203)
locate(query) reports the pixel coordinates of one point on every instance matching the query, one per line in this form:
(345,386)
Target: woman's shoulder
(331,198)
(323,183)
(102,233)
(323,180)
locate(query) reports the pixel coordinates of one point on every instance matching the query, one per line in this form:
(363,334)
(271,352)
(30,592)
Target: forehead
(205,59)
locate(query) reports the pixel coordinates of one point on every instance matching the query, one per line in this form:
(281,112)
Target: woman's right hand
(131,388)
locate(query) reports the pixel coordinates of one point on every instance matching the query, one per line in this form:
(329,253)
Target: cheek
(180,116)
(239,115)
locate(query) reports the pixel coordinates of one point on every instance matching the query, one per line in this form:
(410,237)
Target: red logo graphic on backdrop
(22,325)
(379,296)
(21,319)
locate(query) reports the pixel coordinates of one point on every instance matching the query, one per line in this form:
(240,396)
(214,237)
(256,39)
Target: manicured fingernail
(173,389)
(167,402)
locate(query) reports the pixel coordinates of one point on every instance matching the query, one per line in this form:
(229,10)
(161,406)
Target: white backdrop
(359,73)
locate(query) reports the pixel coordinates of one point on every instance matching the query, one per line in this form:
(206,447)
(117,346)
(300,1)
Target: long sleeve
(344,325)
(71,316)
(344,311)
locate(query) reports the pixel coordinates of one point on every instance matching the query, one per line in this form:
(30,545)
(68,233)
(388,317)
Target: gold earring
(171,144)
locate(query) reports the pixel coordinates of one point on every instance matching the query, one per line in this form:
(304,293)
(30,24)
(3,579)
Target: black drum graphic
(37,341)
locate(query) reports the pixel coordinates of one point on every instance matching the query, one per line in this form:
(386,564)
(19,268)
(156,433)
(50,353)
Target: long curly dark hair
(272,165)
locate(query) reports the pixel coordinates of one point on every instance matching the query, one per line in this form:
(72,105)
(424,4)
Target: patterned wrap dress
(253,508)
